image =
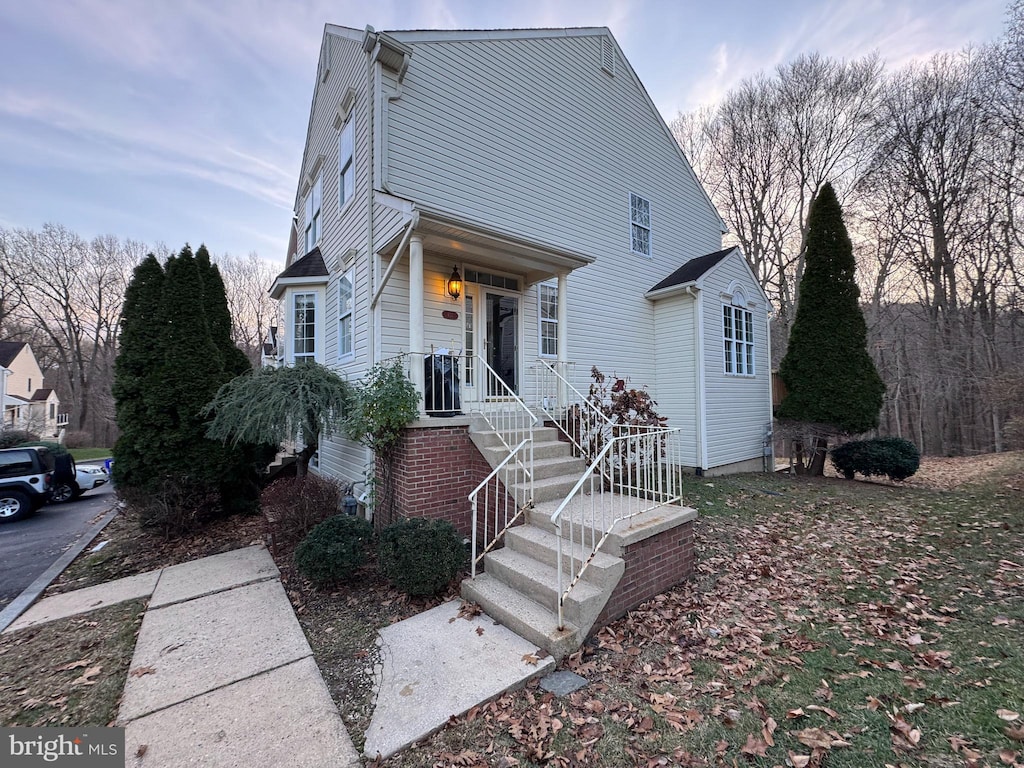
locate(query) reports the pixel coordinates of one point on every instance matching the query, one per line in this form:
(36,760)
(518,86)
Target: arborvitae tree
(140,352)
(830,379)
(217,315)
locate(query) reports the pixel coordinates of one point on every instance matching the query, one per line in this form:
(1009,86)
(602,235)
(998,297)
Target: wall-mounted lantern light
(454,286)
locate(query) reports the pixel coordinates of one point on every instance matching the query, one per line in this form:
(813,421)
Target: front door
(501,316)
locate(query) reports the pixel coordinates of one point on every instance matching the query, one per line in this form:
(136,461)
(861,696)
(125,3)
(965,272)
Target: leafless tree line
(928,161)
(63,294)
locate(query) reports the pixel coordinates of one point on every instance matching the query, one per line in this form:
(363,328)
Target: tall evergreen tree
(140,352)
(830,378)
(217,315)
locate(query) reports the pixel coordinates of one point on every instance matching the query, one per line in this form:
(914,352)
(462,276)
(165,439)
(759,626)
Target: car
(86,477)
(26,481)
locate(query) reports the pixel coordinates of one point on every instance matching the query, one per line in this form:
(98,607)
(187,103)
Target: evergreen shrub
(893,457)
(12,438)
(420,556)
(334,550)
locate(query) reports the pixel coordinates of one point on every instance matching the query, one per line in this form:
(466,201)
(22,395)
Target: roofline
(523,33)
(277,289)
(671,290)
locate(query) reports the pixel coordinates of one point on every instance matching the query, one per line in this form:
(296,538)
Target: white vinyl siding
(675,337)
(548,319)
(346,304)
(313,207)
(639,224)
(346,166)
(303,326)
(738,340)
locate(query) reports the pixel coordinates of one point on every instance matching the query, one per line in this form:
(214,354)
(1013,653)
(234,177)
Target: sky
(173,121)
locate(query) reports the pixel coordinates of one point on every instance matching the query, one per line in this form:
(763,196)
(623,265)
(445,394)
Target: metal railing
(586,426)
(636,470)
(495,506)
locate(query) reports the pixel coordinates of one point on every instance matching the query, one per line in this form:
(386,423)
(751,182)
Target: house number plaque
(449,314)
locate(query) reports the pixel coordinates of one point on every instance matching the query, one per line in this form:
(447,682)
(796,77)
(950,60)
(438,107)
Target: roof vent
(607,55)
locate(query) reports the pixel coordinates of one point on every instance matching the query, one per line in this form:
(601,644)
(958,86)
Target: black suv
(26,481)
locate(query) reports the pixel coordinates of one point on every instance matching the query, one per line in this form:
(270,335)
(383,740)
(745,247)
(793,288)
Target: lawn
(830,623)
(89,454)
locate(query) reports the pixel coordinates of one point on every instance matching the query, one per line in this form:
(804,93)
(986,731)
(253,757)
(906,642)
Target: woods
(926,161)
(64,295)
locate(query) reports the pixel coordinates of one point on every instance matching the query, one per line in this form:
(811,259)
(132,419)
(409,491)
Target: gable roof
(42,394)
(310,265)
(692,270)
(10,350)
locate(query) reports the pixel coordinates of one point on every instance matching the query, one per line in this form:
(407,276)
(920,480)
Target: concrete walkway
(222,674)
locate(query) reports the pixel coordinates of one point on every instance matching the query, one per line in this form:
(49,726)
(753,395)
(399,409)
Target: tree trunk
(816,462)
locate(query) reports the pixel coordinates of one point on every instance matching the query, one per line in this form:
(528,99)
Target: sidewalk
(222,674)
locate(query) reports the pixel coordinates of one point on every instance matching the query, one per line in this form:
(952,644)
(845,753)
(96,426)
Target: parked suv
(26,481)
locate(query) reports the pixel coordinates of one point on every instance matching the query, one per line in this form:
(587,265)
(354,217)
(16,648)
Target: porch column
(416,315)
(563,337)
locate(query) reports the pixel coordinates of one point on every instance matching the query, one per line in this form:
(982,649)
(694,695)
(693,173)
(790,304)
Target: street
(28,547)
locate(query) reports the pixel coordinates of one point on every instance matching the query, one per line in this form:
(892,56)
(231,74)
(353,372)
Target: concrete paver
(284,717)
(213,574)
(88,599)
(205,643)
(437,664)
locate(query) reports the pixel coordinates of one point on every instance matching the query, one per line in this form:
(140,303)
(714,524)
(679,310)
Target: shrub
(420,556)
(54,447)
(894,457)
(172,506)
(293,506)
(334,549)
(78,438)
(12,438)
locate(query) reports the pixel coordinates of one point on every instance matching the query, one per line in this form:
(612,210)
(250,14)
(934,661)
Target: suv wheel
(65,492)
(14,505)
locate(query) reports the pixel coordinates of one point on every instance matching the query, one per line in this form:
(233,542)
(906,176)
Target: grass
(89,454)
(69,672)
(830,623)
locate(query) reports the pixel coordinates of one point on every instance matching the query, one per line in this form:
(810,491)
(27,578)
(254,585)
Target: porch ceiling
(467,243)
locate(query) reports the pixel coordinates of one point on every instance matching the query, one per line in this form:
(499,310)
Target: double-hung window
(346,306)
(313,200)
(639,225)
(738,340)
(548,303)
(303,326)
(346,166)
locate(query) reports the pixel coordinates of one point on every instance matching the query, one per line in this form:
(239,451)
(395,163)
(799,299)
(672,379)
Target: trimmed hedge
(893,457)
(334,550)
(420,556)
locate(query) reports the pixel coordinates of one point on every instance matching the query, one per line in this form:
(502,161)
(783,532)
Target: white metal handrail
(577,416)
(500,507)
(636,470)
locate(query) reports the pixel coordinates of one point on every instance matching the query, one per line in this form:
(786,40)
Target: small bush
(172,506)
(54,447)
(420,556)
(77,438)
(293,506)
(334,549)
(12,438)
(893,457)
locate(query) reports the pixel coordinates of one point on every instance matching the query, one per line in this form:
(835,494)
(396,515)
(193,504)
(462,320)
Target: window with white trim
(346,164)
(548,307)
(639,225)
(313,215)
(738,340)
(304,326)
(346,315)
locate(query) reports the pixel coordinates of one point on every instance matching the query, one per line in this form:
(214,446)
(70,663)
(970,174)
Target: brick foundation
(434,471)
(653,565)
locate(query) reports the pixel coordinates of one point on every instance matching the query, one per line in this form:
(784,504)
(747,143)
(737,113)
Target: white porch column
(563,337)
(416,315)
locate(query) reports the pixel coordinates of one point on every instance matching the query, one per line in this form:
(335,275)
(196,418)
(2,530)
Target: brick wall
(652,566)
(434,471)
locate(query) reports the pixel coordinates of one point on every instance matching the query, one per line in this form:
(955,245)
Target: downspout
(370,255)
(769,456)
(702,418)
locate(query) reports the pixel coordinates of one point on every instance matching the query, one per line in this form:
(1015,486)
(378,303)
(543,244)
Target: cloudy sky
(183,120)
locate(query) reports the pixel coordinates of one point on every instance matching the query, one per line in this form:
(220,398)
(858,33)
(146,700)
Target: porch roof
(465,242)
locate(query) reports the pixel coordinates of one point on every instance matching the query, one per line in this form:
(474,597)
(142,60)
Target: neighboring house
(27,404)
(514,199)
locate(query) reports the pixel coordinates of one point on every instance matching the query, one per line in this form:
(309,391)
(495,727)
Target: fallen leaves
(87,676)
(1007,715)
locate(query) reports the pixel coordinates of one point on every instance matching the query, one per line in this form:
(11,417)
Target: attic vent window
(607,56)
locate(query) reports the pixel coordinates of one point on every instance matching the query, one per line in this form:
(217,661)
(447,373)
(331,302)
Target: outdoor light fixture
(455,284)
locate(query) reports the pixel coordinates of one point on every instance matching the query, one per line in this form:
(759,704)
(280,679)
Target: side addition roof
(42,394)
(309,270)
(692,270)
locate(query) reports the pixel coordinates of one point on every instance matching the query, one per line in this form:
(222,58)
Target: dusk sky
(184,120)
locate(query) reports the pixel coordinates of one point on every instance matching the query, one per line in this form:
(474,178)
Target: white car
(87,477)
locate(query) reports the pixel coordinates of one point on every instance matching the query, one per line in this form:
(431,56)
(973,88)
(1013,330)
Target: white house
(513,198)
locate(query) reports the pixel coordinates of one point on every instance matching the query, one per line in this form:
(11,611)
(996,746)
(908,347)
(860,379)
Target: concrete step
(604,570)
(550,489)
(546,450)
(538,581)
(488,438)
(557,466)
(526,617)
